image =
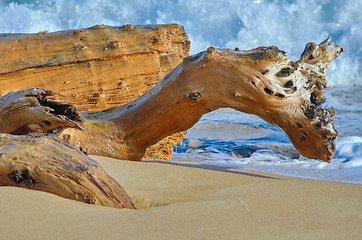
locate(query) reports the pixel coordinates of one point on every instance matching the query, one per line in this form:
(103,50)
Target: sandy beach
(102,55)
(190,202)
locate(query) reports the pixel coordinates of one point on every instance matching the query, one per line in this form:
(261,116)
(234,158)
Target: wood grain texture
(95,68)
(47,163)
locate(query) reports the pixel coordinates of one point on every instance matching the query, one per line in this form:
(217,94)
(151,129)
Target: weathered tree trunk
(261,81)
(95,68)
(47,163)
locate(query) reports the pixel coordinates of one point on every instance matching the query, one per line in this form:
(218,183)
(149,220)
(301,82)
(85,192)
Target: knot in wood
(284,72)
(112,45)
(194,96)
(21,176)
(210,52)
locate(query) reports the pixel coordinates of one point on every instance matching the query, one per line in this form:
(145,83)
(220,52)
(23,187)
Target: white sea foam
(270,151)
(286,24)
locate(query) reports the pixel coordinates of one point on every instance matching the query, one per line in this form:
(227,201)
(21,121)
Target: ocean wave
(286,24)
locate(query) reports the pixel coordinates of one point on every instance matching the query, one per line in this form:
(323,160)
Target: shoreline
(343,175)
(191,202)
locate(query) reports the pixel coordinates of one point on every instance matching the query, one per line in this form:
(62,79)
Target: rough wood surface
(261,81)
(47,163)
(95,68)
(30,110)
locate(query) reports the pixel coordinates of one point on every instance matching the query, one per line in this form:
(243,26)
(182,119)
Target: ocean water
(226,137)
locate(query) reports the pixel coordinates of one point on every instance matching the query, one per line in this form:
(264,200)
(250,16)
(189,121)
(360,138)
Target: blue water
(227,137)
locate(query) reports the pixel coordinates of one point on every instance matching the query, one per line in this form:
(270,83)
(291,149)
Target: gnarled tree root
(47,163)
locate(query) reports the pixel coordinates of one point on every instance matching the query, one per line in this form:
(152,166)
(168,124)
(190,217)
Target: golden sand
(190,202)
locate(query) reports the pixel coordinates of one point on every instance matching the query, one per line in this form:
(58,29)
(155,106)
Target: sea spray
(286,24)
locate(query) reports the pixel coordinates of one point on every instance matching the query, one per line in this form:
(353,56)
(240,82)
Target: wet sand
(190,202)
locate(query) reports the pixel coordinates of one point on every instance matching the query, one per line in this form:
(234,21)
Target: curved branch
(261,81)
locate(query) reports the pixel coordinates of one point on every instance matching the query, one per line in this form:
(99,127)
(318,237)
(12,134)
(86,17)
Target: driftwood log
(95,68)
(262,81)
(47,163)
